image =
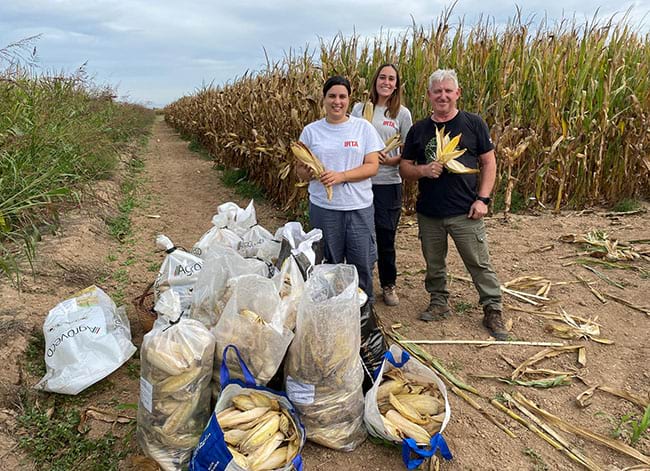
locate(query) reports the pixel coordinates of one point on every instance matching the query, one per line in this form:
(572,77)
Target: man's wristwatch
(484,199)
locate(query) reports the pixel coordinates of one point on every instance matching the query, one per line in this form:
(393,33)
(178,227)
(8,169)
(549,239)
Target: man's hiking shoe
(390,295)
(493,322)
(435,312)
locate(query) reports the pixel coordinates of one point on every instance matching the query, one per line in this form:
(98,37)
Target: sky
(154,52)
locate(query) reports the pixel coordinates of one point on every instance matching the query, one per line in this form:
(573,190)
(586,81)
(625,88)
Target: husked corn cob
(305,155)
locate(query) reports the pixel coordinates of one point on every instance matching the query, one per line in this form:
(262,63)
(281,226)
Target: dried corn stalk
(601,246)
(306,156)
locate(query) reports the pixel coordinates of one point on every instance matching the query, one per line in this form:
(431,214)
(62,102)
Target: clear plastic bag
(176,366)
(86,338)
(178,272)
(253,321)
(323,370)
(211,291)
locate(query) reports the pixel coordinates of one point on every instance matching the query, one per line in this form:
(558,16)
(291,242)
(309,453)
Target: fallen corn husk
(543,383)
(585,397)
(601,246)
(447,154)
(541,355)
(573,330)
(305,155)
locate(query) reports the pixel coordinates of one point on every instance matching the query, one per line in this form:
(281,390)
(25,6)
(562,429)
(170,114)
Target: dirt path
(180,194)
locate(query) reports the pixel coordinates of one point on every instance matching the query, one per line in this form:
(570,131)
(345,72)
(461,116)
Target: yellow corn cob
(262,400)
(422,403)
(405,410)
(305,155)
(276,460)
(178,418)
(243,402)
(292,449)
(260,434)
(235,436)
(408,428)
(262,454)
(240,459)
(391,428)
(284,425)
(394,386)
(229,412)
(253,423)
(175,383)
(251,316)
(232,420)
(368,111)
(393,142)
(165,362)
(446,152)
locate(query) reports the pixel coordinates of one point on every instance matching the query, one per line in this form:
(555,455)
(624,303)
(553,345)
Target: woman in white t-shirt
(349,149)
(390,117)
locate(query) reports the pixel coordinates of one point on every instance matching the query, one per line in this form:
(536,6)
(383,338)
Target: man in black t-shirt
(453,204)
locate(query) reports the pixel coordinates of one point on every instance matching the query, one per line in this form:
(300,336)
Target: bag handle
(224,374)
(437,443)
(391,359)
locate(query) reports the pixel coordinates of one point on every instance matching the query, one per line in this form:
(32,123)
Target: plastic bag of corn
(253,428)
(211,292)
(253,321)
(408,405)
(323,368)
(176,366)
(178,272)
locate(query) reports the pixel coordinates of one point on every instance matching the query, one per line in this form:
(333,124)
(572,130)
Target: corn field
(568,104)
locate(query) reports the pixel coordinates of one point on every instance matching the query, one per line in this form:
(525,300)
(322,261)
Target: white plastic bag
(398,359)
(253,321)
(176,366)
(324,374)
(211,291)
(178,272)
(86,338)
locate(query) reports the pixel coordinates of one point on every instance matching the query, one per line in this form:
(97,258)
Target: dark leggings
(388,206)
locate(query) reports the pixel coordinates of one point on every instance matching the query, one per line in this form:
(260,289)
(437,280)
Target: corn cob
(178,418)
(422,403)
(368,111)
(447,154)
(262,453)
(408,428)
(235,436)
(260,434)
(406,410)
(178,382)
(240,459)
(305,155)
(276,460)
(232,420)
(243,402)
(392,143)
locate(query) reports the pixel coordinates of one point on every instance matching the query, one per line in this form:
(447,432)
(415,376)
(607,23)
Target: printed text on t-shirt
(350,144)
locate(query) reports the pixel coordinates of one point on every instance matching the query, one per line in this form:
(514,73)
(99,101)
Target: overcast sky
(154,52)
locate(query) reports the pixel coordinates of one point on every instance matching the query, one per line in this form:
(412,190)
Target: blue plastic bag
(212,454)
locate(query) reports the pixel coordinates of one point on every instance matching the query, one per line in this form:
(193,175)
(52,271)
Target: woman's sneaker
(390,295)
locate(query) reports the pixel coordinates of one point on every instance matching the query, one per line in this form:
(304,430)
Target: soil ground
(179,195)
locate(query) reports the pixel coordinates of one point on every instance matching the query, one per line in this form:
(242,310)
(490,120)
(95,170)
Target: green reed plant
(57,133)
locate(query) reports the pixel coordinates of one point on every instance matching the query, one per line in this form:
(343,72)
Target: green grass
(35,354)
(237,178)
(461,307)
(537,460)
(627,204)
(55,443)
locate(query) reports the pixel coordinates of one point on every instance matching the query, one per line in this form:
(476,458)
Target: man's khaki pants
(471,242)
